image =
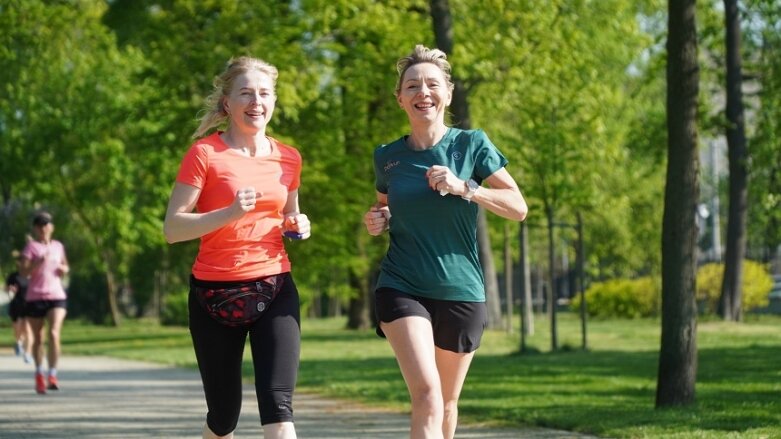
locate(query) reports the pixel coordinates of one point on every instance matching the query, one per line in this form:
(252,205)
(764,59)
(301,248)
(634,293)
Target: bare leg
(18,334)
(27,335)
(452,367)
(55,316)
(412,341)
(279,430)
(37,327)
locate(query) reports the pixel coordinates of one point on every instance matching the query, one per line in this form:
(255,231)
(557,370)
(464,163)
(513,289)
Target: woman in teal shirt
(430,294)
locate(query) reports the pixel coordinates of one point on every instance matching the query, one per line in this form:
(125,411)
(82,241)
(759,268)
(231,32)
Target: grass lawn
(608,390)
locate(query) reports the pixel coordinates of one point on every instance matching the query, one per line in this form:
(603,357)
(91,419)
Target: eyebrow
(261,89)
(418,80)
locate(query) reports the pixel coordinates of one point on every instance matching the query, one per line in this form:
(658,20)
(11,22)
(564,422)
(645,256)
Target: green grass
(608,390)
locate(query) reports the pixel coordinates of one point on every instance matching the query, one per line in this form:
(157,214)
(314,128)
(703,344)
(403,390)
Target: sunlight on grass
(607,390)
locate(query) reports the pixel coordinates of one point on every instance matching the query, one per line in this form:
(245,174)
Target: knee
(451,407)
(428,399)
(54,337)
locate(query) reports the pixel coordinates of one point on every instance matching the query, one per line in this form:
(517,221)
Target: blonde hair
(423,54)
(214,111)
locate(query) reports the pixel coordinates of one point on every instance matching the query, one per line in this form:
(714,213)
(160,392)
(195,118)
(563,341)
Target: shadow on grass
(601,392)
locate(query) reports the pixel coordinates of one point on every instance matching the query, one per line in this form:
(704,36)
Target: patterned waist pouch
(241,304)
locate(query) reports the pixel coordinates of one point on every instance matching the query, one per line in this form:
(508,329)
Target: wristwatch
(471,188)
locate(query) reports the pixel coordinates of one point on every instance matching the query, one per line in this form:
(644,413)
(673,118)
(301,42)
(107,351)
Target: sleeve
(298,166)
(194,166)
(488,159)
(28,252)
(380,182)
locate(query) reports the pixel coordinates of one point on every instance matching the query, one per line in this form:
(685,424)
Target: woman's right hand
(245,201)
(377,219)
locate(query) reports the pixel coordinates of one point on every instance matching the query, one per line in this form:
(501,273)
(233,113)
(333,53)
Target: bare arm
(377,218)
(502,198)
(28,266)
(64,267)
(182,224)
(295,221)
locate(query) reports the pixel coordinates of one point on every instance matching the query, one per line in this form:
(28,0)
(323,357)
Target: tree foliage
(99,101)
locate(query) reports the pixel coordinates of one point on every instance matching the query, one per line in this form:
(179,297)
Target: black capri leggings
(275,340)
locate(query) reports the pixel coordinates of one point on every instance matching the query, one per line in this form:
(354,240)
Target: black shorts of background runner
(17,308)
(458,326)
(275,340)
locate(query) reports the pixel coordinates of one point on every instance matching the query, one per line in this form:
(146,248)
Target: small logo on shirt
(390,165)
(456,155)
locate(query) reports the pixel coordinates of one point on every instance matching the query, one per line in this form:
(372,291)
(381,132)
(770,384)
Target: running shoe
(28,358)
(18,348)
(53,384)
(40,383)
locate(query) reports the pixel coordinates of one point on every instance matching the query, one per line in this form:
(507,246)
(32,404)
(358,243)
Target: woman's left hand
(441,178)
(299,223)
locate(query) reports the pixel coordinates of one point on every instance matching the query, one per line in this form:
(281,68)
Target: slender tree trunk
(678,353)
(358,309)
(552,292)
(508,278)
(581,283)
(731,290)
(527,312)
(492,302)
(443,33)
(111,286)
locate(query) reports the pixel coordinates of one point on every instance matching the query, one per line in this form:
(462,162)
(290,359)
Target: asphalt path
(107,398)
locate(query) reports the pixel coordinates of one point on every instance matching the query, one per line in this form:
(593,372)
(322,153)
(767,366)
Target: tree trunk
(581,263)
(111,287)
(358,309)
(678,353)
(443,33)
(554,330)
(731,289)
(527,312)
(492,302)
(508,279)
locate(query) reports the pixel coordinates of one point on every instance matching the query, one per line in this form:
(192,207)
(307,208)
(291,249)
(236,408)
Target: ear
(225,105)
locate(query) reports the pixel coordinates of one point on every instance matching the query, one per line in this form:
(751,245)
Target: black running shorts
(457,326)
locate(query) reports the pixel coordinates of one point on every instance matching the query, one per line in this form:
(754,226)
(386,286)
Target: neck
(426,137)
(253,145)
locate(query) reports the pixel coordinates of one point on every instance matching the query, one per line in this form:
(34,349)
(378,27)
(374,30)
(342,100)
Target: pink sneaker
(40,384)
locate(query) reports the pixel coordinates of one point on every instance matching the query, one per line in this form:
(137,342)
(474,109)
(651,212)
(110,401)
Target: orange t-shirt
(252,246)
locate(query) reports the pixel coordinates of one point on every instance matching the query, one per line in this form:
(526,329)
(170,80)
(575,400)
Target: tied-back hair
(214,113)
(423,54)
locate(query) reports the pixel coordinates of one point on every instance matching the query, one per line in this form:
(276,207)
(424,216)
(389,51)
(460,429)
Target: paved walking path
(108,398)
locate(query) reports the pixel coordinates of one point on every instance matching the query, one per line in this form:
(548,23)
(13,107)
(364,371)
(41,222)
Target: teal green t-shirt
(433,239)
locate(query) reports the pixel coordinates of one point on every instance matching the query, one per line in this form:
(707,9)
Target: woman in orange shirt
(237,190)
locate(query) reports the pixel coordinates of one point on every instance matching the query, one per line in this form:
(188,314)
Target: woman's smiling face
(424,93)
(251,101)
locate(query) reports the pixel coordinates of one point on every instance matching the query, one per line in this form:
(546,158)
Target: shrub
(175,309)
(757,283)
(623,298)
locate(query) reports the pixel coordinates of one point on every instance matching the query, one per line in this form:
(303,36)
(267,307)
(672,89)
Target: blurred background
(99,99)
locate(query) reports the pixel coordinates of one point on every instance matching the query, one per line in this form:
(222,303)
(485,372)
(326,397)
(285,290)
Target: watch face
(472,185)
